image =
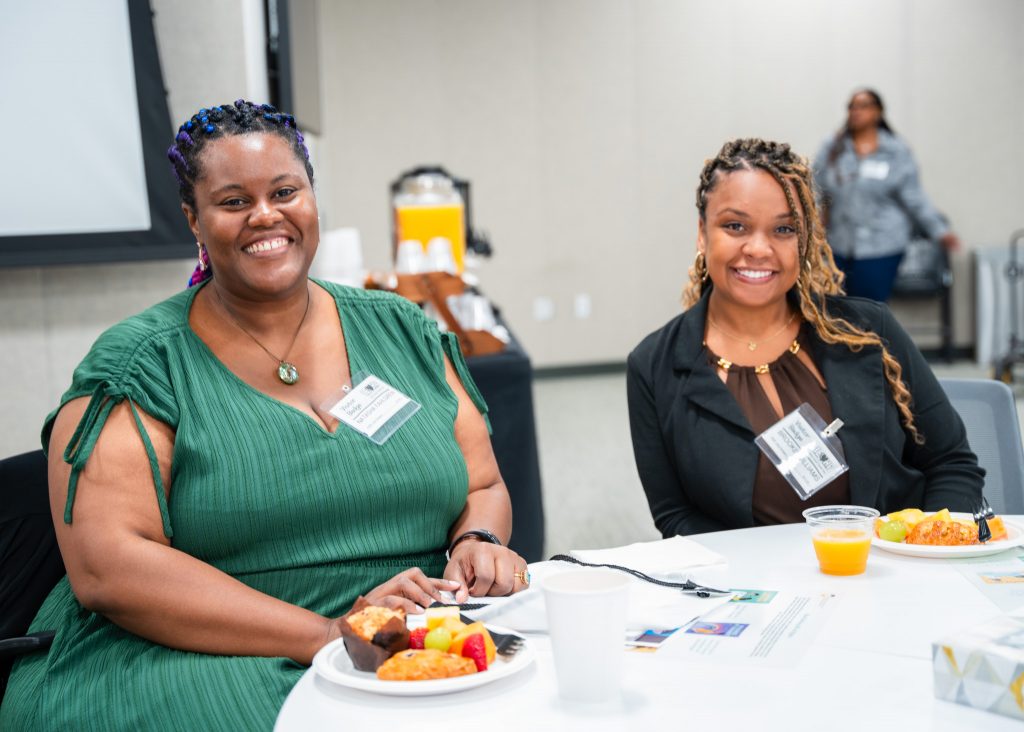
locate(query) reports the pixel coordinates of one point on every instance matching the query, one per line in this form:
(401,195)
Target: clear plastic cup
(842,537)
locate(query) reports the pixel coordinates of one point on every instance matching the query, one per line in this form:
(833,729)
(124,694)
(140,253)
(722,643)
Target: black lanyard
(688,586)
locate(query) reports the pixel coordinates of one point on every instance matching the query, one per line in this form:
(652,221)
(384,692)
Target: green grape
(892,531)
(439,638)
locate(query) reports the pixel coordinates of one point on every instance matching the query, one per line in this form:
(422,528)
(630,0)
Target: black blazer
(695,448)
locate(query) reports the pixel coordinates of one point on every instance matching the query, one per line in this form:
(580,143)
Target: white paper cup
(586,611)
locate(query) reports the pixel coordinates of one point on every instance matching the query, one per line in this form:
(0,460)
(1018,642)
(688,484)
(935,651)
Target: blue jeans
(871,278)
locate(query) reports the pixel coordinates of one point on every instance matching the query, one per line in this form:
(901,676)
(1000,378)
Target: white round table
(868,668)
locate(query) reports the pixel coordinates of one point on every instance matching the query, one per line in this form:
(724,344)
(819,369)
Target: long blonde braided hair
(819,275)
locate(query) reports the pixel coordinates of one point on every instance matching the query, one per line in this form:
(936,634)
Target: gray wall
(51,315)
(582,125)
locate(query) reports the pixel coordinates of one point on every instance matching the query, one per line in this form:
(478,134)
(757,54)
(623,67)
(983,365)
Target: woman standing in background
(872,199)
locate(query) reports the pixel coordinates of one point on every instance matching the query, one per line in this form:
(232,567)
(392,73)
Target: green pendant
(287,373)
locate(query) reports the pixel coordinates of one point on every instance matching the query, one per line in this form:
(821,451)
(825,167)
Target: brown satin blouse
(775,501)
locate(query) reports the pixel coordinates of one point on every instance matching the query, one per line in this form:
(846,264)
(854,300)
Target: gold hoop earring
(700,267)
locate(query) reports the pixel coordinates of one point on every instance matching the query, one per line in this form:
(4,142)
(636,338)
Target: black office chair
(30,561)
(925,274)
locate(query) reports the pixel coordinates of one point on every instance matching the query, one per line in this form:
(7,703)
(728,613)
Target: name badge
(804,450)
(874,169)
(374,408)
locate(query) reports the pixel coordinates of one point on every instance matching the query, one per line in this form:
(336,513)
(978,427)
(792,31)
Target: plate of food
(942,535)
(384,652)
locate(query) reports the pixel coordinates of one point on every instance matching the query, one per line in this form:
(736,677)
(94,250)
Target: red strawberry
(416,638)
(475,649)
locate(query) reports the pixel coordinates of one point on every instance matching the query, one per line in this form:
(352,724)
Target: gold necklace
(286,371)
(725,364)
(751,345)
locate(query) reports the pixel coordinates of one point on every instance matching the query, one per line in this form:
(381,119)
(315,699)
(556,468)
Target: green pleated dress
(260,491)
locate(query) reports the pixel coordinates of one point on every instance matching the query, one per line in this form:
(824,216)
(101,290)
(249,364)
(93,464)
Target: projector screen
(85,128)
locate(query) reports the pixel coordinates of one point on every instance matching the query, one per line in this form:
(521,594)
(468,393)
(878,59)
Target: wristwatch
(481,534)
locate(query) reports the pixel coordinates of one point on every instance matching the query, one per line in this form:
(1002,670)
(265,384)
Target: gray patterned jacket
(875,202)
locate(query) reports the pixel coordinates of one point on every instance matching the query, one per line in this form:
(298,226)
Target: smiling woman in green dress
(214,517)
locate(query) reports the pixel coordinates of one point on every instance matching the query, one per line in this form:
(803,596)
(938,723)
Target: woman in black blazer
(766,328)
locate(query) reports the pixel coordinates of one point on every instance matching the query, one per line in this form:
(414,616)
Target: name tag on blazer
(804,450)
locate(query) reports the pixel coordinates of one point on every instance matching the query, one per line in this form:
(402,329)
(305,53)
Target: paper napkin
(669,558)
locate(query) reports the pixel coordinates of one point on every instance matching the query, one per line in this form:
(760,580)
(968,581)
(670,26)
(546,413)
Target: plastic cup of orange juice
(841,537)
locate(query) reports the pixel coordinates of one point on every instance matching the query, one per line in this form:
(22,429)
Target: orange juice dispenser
(429,203)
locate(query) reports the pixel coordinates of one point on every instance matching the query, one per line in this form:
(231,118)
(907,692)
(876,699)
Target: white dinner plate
(1015,537)
(332,663)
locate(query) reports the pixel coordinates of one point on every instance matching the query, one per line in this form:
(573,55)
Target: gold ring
(523,576)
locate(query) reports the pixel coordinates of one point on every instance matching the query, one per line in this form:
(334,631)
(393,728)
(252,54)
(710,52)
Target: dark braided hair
(225,120)
(844,131)
(819,275)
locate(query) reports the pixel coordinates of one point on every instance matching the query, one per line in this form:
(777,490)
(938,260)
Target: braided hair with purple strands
(225,120)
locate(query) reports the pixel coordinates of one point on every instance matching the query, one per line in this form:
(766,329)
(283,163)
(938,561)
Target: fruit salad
(445,648)
(447,633)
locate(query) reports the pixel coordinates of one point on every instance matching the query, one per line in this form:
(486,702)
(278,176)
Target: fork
(506,644)
(981,517)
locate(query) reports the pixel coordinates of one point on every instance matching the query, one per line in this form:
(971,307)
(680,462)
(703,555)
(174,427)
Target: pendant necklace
(286,371)
(751,345)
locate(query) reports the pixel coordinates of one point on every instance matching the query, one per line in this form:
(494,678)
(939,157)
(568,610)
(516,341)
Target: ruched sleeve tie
(104,398)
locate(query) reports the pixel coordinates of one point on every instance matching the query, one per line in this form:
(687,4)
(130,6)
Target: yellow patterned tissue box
(983,667)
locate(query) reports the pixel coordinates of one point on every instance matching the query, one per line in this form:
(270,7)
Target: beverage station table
(506,382)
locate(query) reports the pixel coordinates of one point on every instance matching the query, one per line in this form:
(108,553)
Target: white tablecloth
(869,667)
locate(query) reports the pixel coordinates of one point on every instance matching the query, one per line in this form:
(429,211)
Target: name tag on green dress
(374,408)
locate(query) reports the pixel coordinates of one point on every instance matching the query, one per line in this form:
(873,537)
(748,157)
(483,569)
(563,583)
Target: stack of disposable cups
(409,258)
(439,256)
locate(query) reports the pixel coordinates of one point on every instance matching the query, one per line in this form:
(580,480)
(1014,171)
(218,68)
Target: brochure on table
(999,577)
(756,627)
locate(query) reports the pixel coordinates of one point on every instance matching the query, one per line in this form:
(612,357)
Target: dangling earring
(700,267)
(202,272)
